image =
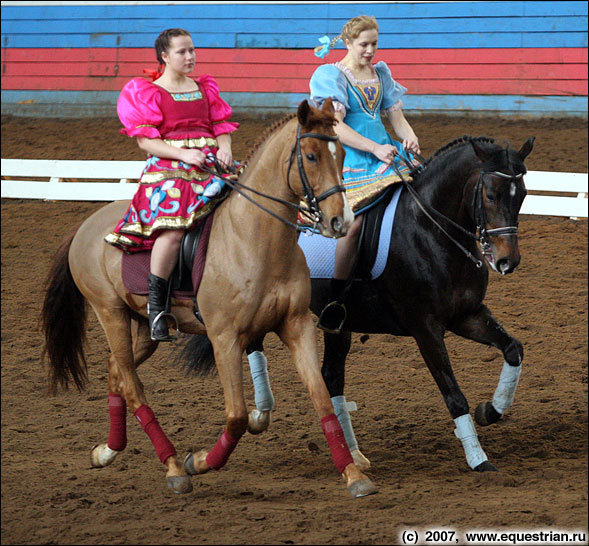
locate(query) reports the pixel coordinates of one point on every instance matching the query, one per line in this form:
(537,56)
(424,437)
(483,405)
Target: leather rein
(481,233)
(311,200)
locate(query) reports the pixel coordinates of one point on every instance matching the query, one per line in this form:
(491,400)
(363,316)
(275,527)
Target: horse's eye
(311,157)
(490,198)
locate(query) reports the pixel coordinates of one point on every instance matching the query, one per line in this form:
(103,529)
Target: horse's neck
(266,173)
(447,189)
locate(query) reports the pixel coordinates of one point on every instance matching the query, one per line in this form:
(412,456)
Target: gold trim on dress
(161,176)
(200,142)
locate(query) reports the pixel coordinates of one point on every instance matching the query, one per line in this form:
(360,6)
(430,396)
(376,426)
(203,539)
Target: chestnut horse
(255,281)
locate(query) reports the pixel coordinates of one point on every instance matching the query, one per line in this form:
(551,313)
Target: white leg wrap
(342,412)
(467,434)
(505,391)
(259,369)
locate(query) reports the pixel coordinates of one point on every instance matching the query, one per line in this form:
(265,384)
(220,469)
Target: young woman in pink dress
(177,120)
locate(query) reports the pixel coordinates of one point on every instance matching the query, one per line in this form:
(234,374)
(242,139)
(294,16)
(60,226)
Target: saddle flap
(188,272)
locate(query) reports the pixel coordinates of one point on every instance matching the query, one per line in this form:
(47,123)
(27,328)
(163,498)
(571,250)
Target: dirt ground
(281,487)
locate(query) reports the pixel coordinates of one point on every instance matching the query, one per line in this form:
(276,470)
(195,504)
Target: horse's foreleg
(432,348)
(484,328)
(336,348)
(298,334)
(127,392)
(231,376)
(259,419)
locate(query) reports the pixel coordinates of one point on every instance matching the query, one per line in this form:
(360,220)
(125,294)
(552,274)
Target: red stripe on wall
(480,72)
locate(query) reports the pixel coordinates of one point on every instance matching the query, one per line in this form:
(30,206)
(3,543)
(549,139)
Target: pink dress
(171,194)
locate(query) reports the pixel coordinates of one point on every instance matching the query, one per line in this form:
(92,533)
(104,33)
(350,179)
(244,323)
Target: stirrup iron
(162,316)
(327,308)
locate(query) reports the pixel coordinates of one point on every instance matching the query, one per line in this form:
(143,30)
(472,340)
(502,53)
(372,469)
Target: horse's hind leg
(123,379)
(336,348)
(432,348)
(484,328)
(102,455)
(298,333)
(259,418)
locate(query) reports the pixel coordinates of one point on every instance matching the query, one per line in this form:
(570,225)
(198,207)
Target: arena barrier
(549,193)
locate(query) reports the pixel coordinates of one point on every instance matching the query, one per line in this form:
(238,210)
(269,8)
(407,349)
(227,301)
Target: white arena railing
(549,193)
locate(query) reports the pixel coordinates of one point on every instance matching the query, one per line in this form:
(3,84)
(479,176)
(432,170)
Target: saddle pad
(136,266)
(320,251)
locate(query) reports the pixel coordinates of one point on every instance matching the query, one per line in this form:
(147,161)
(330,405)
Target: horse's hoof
(486,414)
(101,455)
(486,466)
(179,484)
(361,462)
(258,421)
(362,488)
(189,465)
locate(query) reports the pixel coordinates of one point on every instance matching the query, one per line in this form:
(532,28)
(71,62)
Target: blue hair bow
(325,49)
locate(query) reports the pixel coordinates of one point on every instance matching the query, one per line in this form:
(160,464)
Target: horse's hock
(277,489)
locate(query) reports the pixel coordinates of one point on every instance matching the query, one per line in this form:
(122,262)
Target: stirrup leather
(330,307)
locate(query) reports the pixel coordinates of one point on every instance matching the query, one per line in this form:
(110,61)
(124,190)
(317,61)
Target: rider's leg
(164,256)
(346,250)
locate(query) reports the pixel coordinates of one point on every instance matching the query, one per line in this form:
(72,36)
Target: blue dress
(365,176)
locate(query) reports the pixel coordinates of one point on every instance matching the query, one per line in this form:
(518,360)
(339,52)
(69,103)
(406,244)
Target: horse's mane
(265,134)
(316,118)
(460,141)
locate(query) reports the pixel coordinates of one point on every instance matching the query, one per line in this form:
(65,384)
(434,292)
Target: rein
(479,216)
(312,202)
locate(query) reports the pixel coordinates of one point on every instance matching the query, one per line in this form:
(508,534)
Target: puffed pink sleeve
(220,111)
(139,109)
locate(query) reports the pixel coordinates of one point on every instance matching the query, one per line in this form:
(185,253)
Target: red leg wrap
(340,453)
(219,455)
(163,446)
(117,410)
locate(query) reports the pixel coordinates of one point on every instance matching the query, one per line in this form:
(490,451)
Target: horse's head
(498,197)
(318,178)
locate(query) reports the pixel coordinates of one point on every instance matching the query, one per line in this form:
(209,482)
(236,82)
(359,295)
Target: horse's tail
(197,356)
(63,320)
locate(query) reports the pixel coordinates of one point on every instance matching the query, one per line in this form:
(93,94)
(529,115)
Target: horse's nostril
(337,224)
(504,267)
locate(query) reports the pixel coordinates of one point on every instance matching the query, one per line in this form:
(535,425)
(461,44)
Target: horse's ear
(482,152)
(328,107)
(527,148)
(303,112)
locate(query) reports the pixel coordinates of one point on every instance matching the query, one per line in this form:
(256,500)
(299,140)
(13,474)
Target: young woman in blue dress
(361,91)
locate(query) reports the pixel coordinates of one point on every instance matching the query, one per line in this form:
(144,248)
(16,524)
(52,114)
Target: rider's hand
(385,152)
(411,144)
(225,157)
(192,156)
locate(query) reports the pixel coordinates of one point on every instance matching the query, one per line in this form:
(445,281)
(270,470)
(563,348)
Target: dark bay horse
(255,281)
(460,211)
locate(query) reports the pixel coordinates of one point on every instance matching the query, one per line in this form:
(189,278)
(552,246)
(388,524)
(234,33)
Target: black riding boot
(333,316)
(157,308)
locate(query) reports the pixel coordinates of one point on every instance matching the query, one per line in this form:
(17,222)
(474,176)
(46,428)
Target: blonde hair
(352,29)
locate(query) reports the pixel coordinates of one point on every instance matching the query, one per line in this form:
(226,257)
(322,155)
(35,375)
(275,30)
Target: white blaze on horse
(255,281)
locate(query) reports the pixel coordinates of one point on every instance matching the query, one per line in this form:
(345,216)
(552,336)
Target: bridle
(481,233)
(311,207)
(479,210)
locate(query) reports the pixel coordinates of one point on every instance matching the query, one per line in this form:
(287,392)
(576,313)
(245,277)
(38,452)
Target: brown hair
(162,43)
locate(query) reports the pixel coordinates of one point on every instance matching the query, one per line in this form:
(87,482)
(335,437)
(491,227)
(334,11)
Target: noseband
(311,201)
